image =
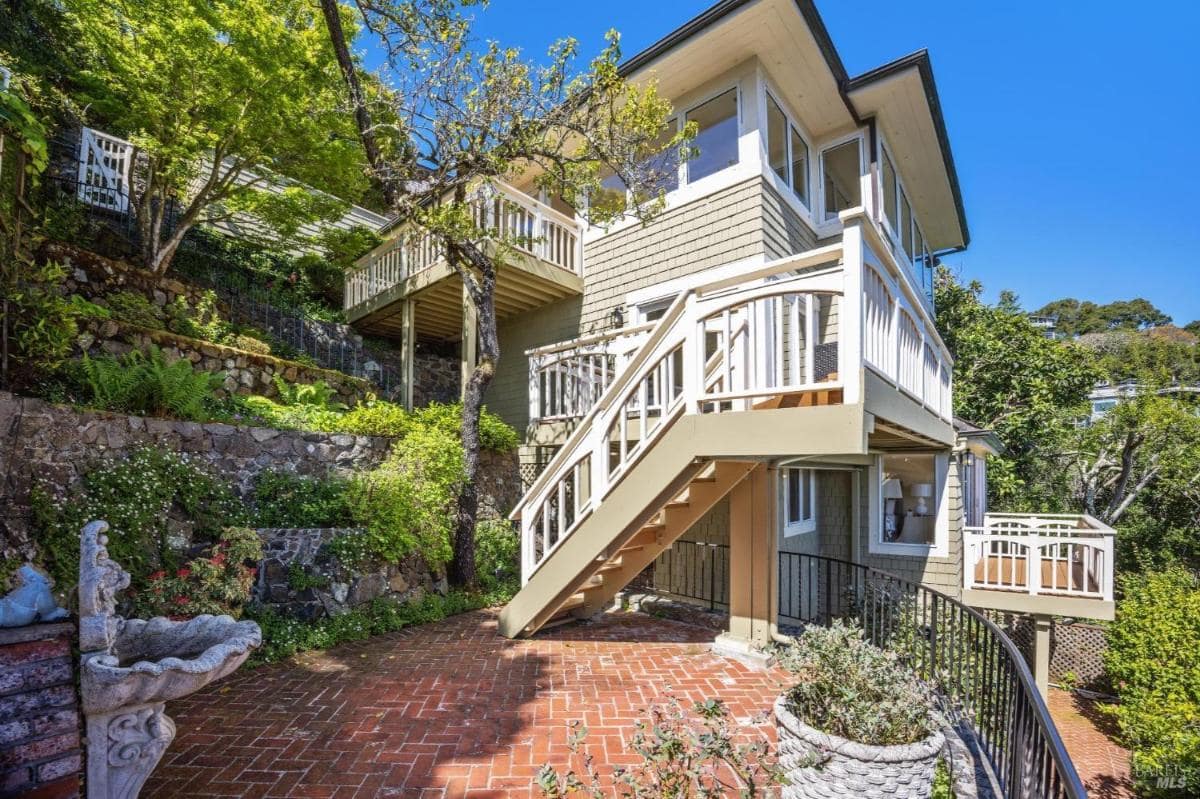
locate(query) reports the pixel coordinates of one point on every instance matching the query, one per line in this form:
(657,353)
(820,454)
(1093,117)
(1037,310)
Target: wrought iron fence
(695,570)
(970,662)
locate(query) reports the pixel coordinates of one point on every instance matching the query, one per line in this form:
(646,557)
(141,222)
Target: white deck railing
(1048,554)
(566,379)
(510,216)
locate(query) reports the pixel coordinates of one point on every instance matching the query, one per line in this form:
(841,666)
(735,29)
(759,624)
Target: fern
(148,384)
(319,394)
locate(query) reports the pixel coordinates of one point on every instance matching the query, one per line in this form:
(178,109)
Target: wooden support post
(470,340)
(752,559)
(408,333)
(1041,653)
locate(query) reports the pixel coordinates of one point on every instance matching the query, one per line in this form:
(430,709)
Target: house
(1105,396)
(1047,323)
(756,372)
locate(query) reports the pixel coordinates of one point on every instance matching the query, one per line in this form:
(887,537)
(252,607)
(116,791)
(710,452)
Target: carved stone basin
(159,660)
(130,667)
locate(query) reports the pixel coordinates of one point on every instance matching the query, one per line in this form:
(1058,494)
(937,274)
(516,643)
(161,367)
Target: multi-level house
(756,372)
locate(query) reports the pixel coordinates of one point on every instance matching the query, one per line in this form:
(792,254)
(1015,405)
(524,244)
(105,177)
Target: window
(890,197)
(799,501)
(913,513)
(787,152)
(663,162)
(973,473)
(716,139)
(841,169)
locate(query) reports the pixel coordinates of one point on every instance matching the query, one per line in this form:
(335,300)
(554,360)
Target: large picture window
(799,501)
(716,139)
(911,506)
(841,169)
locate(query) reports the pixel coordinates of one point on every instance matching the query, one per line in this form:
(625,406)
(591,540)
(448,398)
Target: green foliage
(681,753)
(163,72)
(284,636)
(217,582)
(139,497)
(299,579)
(1077,317)
(147,384)
(317,394)
(1153,660)
(250,343)
(285,499)
(41,324)
(134,308)
(375,418)
(848,687)
(407,504)
(1010,378)
(1160,356)
(202,321)
(498,555)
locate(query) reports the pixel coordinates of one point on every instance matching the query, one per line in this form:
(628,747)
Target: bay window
(841,169)
(716,139)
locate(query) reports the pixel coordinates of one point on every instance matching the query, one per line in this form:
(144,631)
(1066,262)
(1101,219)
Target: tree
(462,115)
(1159,356)
(1193,327)
(1077,317)
(1010,378)
(220,99)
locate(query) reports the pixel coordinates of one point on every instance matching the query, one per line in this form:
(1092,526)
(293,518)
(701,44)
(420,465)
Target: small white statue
(31,601)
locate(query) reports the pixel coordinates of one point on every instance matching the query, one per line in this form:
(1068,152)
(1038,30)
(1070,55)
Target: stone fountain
(131,667)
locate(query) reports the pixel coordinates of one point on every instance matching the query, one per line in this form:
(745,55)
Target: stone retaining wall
(40,748)
(245,372)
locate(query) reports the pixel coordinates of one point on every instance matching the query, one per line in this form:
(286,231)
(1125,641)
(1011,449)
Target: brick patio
(1102,764)
(444,710)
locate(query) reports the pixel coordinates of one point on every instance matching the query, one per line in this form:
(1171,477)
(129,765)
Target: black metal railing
(695,570)
(967,659)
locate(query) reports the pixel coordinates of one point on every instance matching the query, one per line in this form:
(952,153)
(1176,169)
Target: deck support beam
(753,585)
(1041,652)
(408,332)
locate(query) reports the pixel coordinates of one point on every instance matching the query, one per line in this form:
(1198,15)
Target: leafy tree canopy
(1077,317)
(220,97)
(1159,356)
(1010,378)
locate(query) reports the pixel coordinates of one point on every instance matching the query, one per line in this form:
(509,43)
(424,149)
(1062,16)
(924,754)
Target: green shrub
(138,496)
(249,343)
(494,434)
(497,554)
(133,307)
(39,324)
(284,636)
(848,687)
(1153,661)
(216,582)
(285,499)
(318,394)
(202,321)
(149,385)
(407,504)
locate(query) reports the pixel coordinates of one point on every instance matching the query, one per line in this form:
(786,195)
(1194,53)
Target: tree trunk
(481,290)
(362,117)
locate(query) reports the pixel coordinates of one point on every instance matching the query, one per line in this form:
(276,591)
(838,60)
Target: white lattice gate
(104,163)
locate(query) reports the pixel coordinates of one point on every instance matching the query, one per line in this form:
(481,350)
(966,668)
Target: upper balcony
(547,265)
(870,341)
(1040,563)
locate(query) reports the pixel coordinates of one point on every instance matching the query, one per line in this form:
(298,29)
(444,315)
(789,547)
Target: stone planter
(823,766)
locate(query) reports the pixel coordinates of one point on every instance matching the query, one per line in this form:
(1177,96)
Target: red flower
(217,559)
(184,572)
(180,600)
(158,575)
(254,572)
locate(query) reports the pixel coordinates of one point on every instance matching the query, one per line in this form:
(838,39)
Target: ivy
(284,499)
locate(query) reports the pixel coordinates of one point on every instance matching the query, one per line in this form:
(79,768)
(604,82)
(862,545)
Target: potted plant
(857,722)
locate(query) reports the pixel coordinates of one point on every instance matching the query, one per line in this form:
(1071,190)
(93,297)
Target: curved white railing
(567,378)
(510,216)
(716,349)
(1060,554)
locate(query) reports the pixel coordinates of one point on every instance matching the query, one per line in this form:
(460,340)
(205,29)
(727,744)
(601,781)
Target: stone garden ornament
(31,601)
(131,667)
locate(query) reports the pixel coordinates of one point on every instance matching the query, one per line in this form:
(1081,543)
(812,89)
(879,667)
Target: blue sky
(1070,124)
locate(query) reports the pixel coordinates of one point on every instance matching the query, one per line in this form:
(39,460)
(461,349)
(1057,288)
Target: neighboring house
(756,372)
(1106,396)
(98,169)
(1047,324)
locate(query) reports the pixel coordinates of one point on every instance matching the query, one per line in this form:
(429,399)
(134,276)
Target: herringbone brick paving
(450,709)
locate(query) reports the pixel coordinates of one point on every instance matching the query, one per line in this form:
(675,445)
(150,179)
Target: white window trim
(940,548)
(803,526)
(896,238)
(781,186)
(825,226)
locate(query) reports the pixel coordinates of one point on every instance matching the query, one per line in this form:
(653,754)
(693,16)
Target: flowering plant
(218,581)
